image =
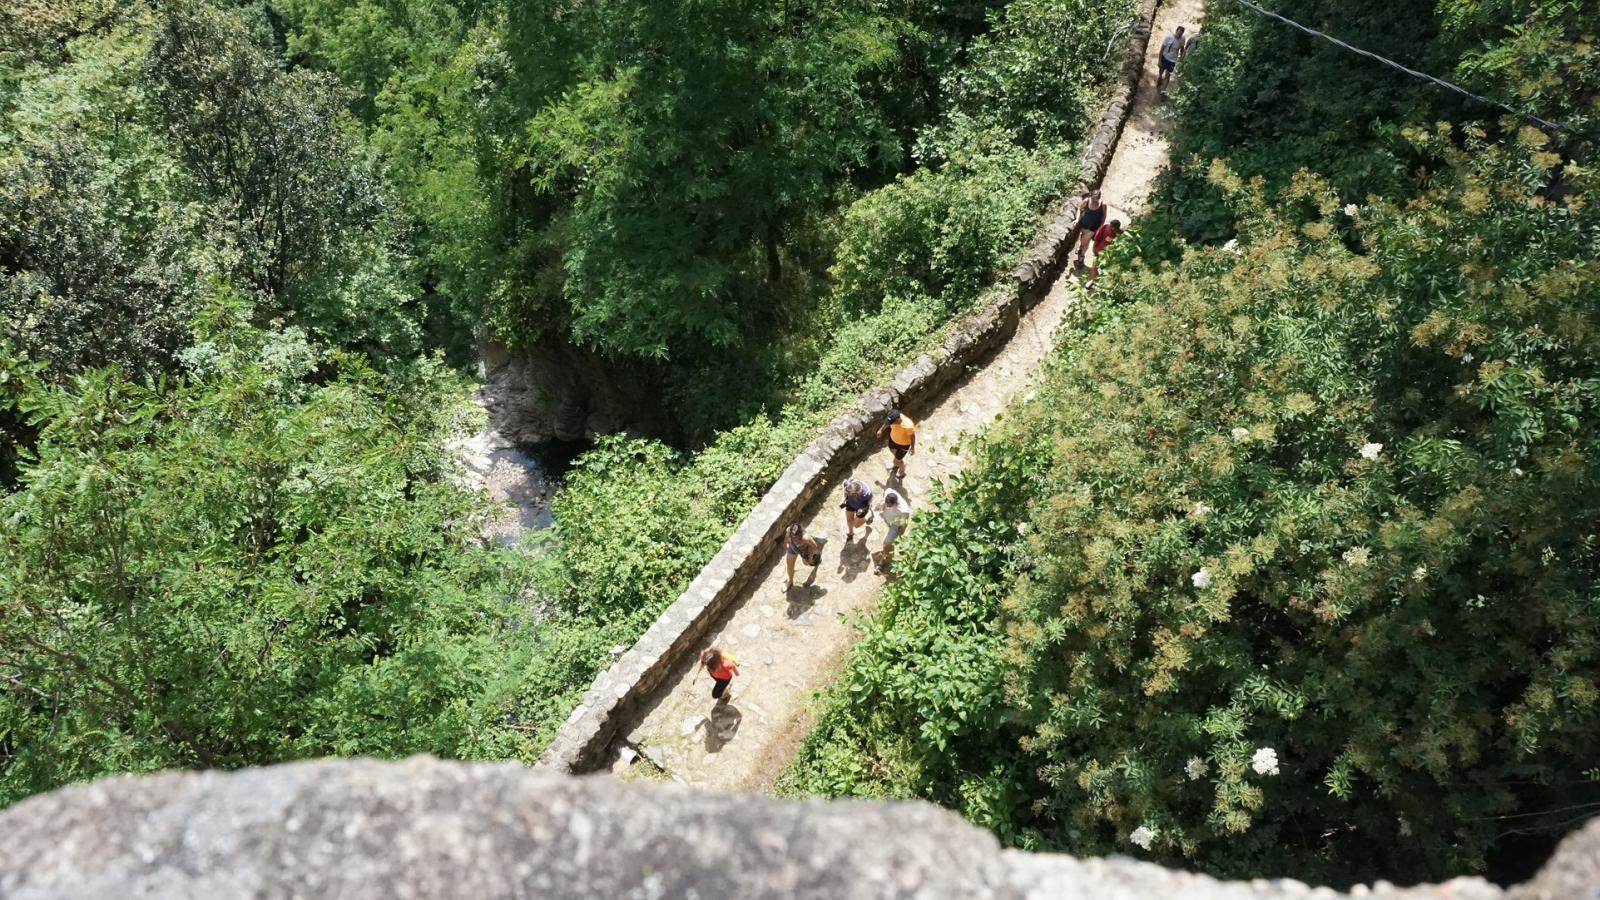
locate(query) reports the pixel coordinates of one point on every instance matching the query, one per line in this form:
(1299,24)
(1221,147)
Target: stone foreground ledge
(422,828)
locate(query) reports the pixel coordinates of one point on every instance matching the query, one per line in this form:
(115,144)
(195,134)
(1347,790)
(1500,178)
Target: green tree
(308,216)
(99,253)
(92,274)
(237,567)
(687,140)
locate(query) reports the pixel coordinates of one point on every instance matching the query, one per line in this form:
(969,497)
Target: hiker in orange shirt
(722,667)
(902,440)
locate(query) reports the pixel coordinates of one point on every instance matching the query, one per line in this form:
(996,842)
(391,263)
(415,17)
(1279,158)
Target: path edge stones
(580,743)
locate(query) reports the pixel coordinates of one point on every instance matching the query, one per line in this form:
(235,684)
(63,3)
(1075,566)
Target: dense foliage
(1289,567)
(163,150)
(241,243)
(237,567)
(638,520)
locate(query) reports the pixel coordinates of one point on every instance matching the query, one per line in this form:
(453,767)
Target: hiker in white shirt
(1172,48)
(896,515)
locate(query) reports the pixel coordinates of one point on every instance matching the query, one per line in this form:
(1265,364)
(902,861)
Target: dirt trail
(1142,151)
(790,644)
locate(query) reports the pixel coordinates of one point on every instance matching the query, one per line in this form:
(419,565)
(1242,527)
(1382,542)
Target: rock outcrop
(552,393)
(422,828)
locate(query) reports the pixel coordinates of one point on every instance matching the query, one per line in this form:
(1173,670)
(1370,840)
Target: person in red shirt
(722,667)
(1103,235)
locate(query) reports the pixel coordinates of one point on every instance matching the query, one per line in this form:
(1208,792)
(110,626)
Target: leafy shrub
(1306,574)
(941,232)
(98,250)
(1034,70)
(242,567)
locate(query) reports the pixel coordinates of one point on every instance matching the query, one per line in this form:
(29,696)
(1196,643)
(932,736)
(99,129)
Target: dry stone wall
(1097,157)
(368,830)
(616,694)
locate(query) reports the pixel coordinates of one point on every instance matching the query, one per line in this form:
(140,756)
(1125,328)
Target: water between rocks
(527,479)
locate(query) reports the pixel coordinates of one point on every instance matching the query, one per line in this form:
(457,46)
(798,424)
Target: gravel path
(791,644)
(1142,151)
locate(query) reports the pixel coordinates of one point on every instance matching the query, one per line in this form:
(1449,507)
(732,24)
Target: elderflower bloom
(1240,434)
(1265,762)
(1420,573)
(1370,451)
(1196,769)
(1357,556)
(1200,510)
(1142,836)
(1350,209)
(1201,579)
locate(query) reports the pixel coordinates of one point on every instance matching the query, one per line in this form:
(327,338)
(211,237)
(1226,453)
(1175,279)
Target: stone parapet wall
(369,830)
(1097,156)
(580,743)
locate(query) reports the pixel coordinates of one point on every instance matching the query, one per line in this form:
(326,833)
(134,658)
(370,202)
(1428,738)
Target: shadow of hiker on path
(802,597)
(854,557)
(721,725)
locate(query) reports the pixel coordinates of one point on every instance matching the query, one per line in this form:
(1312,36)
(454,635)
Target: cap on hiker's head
(892,417)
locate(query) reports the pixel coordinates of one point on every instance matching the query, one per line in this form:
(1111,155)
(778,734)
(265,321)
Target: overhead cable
(1409,71)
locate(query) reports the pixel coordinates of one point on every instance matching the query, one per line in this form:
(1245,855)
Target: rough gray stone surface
(422,828)
(555,392)
(1573,873)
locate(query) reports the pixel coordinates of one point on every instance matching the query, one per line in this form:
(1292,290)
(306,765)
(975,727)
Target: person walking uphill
(1091,216)
(857,507)
(722,667)
(902,440)
(797,546)
(1102,239)
(1172,49)
(896,515)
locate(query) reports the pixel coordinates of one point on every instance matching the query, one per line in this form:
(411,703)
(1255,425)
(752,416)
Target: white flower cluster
(1371,451)
(1201,579)
(1232,246)
(1265,762)
(1196,769)
(1420,573)
(1240,434)
(1350,209)
(1357,556)
(1142,836)
(1200,510)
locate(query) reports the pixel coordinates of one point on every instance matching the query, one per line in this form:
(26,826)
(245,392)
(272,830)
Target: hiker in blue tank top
(797,546)
(857,507)
(1091,215)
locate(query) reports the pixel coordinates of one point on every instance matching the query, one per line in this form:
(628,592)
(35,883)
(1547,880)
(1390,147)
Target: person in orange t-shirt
(902,439)
(722,667)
